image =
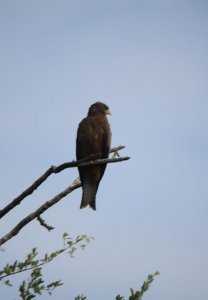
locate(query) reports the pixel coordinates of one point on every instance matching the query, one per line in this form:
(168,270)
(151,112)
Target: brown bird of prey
(93,137)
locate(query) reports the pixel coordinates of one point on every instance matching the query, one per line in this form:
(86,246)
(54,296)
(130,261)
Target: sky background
(147,60)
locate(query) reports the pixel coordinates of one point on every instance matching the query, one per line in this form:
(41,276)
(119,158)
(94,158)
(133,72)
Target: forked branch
(92,160)
(76,184)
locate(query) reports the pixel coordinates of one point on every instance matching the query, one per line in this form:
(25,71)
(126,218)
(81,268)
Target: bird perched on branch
(93,137)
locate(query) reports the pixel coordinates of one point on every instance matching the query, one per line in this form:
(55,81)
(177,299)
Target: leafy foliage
(137,295)
(80,297)
(35,284)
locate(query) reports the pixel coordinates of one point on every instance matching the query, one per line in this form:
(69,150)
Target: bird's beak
(108,112)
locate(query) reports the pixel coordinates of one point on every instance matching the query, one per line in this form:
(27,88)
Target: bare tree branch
(76,184)
(37,183)
(44,224)
(53,170)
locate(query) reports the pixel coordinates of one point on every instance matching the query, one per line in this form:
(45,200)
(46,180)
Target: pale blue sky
(147,60)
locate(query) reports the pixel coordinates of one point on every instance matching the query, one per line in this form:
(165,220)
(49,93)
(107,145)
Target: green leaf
(118,297)
(65,235)
(7,282)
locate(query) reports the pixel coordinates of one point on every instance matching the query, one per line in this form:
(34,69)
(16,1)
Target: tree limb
(76,184)
(53,170)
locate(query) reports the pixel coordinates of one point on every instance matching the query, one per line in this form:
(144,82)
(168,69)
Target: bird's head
(99,108)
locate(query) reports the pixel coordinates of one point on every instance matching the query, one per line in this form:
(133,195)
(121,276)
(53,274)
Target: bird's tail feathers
(89,196)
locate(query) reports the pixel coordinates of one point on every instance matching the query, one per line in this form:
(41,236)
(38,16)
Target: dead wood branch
(76,184)
(44,224)
(92,160)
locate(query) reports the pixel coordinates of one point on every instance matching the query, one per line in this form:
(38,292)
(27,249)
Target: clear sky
(147,60)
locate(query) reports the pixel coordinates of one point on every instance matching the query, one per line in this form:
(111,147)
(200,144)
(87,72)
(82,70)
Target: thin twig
(103,161)
(44,224)
(27,269)
(54,170)
(116,149)
(43,262)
